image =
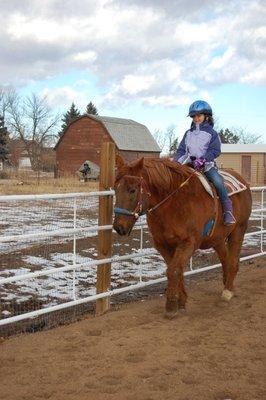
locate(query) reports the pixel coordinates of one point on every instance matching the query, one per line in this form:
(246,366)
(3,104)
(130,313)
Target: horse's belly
(219,236)
(171,237)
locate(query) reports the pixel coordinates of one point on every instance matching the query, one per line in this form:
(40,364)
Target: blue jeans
(214,177)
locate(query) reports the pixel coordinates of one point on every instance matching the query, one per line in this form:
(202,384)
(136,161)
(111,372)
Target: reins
(170,195)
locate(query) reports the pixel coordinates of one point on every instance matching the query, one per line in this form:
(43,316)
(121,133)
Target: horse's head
(132,196)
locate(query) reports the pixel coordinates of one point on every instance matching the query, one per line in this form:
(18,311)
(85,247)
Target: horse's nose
(120,230)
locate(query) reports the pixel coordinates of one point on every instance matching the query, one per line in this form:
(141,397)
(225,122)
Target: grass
(28,182)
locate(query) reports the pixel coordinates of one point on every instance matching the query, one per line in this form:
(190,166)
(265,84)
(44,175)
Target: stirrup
(233,220)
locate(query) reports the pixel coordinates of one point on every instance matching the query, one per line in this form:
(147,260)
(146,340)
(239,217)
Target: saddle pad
(232,184)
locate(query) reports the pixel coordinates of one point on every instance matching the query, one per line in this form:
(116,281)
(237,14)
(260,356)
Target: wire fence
(48,261)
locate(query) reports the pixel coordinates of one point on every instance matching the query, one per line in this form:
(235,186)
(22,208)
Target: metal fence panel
(48,253)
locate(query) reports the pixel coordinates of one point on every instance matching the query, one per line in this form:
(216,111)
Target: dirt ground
(216,350)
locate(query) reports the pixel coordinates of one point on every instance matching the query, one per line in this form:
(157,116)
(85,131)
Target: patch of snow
(5,312)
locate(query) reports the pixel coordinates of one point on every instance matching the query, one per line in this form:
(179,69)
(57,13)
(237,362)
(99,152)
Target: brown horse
(177,223)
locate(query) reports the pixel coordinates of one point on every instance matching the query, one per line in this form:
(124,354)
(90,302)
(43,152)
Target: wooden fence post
(107,176)
(257,173)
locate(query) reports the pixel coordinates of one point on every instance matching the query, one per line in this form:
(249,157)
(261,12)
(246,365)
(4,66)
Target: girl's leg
(214,177)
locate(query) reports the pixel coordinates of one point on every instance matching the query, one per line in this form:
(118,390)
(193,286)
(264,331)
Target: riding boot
(228,216)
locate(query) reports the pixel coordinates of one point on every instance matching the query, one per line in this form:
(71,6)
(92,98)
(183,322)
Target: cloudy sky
(141,59)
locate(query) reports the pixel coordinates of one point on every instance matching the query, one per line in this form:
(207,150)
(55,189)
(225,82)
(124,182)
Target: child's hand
(198,163)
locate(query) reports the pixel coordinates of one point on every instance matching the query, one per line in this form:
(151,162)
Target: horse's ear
(138,164)
(119,161)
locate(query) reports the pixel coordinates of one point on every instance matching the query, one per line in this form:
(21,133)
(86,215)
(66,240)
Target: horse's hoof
(170,314)
(227,295)
(171,306)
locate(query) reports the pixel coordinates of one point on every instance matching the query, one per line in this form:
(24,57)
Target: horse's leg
(222,251)
(166,251)
(175,293)
(235,241)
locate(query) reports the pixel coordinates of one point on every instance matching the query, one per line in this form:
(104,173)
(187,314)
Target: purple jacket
(201,140)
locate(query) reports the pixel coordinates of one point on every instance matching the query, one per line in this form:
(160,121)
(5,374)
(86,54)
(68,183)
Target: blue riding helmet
(199,107)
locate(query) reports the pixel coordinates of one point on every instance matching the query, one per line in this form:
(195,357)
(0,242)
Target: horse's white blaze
(227,294)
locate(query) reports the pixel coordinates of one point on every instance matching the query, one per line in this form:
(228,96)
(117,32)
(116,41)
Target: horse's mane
(164,175)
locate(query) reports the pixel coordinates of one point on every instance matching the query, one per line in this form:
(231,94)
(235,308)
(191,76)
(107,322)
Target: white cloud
(81,83)
(256,77)
(193,33)
(260,32)
(220,62)
(85,56)
(204,94)
(133,84)
(63,97)
(168,101)
(152,52)
(22,27)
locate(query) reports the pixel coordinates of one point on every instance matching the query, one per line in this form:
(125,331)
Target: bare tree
(171,138)
(166,140)
(3,102)
(236,135)
(32,121)
(160,138)
(247,137)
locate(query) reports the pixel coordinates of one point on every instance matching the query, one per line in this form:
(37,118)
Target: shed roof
(126,133)
(243,148)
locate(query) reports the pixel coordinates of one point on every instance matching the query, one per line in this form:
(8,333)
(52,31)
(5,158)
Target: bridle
(139,209)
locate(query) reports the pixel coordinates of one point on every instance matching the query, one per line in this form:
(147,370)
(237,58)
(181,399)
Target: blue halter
(124,211)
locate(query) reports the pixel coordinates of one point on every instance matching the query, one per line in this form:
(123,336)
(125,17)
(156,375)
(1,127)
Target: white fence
(74,266)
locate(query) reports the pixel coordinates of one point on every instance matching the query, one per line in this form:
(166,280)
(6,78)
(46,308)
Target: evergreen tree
(91,109)
(70,116)
(3,140)
(228,136)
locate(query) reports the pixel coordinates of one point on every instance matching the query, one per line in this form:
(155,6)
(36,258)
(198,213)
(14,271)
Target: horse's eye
(132,191)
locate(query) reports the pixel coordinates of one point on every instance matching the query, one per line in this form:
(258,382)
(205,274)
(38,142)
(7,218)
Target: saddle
(232,184)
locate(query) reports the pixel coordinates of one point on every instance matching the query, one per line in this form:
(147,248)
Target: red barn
(82,141)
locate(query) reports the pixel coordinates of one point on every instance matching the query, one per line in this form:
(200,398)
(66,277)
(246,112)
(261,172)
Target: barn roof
(243,148)
(127,134)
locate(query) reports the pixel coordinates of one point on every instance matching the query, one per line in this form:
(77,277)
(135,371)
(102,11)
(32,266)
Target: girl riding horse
(200,146)
(178,209)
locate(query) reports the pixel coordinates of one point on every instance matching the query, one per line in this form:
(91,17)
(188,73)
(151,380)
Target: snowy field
(20,257)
